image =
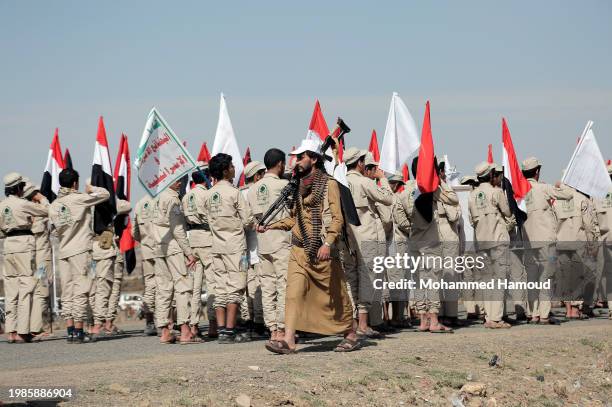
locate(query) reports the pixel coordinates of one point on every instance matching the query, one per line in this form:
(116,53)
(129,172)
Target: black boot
(70,337)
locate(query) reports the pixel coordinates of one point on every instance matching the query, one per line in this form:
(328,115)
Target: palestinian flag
(102,176)
(68,160)
(123,226)
(50,186)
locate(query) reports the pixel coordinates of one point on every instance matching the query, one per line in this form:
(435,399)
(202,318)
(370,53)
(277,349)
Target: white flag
(225,140)
(401,137)
(161,159)
(586,170)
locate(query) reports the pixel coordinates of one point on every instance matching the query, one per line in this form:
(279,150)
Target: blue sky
(544,65)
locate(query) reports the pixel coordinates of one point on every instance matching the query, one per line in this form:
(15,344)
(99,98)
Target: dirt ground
(567,365)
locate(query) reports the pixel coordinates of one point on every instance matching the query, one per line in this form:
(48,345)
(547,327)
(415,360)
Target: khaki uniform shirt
(228,215)
(401,219)
(195,212)
(488,206)
(366,194)
(17,214)
(260,197)
(424,234)
(142,228)
(577,220)
(448,216)
(540,228)
(603,207)
(40,228)
(71,216)
(169,225)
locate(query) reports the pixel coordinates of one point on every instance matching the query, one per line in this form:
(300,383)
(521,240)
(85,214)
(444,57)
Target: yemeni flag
(373,147)
(68,160)
(245,160)
(50,185)
(123,226)
(515,184)
(102,176)
(490,154)
(204,155)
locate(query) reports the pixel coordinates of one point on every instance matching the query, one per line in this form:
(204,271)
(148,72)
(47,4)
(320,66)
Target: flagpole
(55,304)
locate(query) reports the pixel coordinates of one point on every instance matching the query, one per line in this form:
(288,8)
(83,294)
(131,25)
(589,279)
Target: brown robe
(316,298)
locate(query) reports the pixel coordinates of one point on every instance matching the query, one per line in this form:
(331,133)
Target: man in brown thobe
(316,297)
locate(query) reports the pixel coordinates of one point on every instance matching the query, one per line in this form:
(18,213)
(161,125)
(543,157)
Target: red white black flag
(123,181)
(102,176)
(50,186)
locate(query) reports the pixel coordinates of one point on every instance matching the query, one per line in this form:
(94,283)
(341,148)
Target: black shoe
(70,339)
(226,338)
(242,337)
(150,329)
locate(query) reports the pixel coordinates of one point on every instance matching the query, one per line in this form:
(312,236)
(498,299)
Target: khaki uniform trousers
(540,264)
(11,301)
(496,267)
(251,308)
(21,267)
(449,305)
(173,281)
(360,278)
(40,297)
(517,273)
(202,279)
(101,289)
(273,280)
(76,283)
(472,299)
(148,297)
(113,299)
(427,300)
(230,282)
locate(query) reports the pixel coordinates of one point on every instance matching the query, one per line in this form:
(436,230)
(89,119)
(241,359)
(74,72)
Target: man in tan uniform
(488,208)
(399,238)
(228,215)
(172,275)
(142,231)
(425,242)
(379,310)
(603,207)
(104,256)
(251,308)
(71,217)
(539,233)
(368,239)
(200,240)
(123,208)
(43,263)
(448,219)
(474,305)
(16,219)
(272,246)
(577,244)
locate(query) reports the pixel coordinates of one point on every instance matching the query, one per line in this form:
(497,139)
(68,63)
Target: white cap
(313,145)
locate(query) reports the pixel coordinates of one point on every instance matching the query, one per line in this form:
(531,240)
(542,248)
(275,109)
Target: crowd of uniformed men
(208,241)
